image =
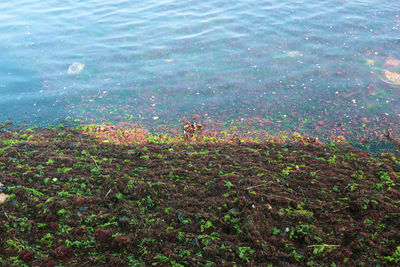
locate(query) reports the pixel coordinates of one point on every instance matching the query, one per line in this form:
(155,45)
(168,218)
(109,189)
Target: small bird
(191,127)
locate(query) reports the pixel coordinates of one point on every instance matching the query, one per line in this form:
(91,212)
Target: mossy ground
(105,196)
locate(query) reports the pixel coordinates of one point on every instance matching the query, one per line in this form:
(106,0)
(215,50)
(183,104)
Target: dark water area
(324,68)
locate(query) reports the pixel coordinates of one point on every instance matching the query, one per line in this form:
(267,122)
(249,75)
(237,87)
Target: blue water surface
(161,61)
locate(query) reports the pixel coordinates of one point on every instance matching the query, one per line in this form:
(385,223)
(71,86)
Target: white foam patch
(294,54)
(75,68)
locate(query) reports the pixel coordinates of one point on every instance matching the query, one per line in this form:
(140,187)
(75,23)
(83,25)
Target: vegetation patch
(103,195)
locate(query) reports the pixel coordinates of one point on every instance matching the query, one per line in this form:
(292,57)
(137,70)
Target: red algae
(98,195)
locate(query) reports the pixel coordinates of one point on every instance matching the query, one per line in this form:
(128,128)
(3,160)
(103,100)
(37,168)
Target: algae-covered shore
(102,196)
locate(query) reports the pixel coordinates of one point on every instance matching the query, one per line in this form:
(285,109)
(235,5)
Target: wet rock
(135,153)
(70,147)
(164,147)
(287,144)
(2,188)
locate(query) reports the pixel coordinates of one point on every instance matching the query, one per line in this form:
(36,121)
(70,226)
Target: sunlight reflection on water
(229,60)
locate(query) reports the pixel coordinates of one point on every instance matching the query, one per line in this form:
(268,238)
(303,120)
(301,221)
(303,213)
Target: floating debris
(75,68)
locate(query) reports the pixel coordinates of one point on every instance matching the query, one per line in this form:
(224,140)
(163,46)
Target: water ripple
(151,46)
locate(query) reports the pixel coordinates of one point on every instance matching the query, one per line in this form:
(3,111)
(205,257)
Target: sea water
(306,66)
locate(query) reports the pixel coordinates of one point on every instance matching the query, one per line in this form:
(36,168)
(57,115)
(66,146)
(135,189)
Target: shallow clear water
(291,64)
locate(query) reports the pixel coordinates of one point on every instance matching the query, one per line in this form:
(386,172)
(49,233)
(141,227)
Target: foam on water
(75,68)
